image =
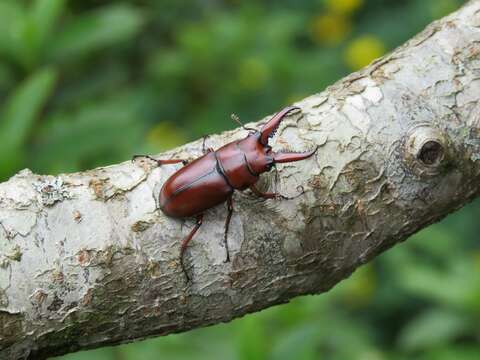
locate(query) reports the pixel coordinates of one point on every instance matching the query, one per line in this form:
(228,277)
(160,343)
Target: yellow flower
(253,73)
(361,51)
(476,260)
(165,135)
(330,28)
(360,289)
(344,6)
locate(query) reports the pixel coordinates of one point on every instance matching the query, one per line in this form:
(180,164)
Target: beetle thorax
(242,162)
(256,154)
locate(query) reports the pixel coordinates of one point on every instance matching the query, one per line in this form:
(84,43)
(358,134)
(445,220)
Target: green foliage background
(85,83)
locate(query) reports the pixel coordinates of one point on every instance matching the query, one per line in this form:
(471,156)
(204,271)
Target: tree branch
(87,259)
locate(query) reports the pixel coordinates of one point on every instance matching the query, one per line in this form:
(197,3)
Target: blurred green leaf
(21,108)
(453,351)
(45,15)
(436,240)
(6,77)
(459,286)
(432,328)
(300,344)
(251,340)
(12,15)
(95,31)
(107,353)
(24,31)
(18,115)
(101,128)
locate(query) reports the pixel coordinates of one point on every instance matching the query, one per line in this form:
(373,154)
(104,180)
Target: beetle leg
(273,195)
(205,149)
(187,240)
(266,195)
(161,162)
(227,225)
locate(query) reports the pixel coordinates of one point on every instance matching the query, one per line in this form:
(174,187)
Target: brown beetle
(212,178)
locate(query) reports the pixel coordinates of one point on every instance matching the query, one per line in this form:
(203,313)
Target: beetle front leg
(185,242)
(266,195)
(227,225)
(161,162)
(272,195)
(205,149)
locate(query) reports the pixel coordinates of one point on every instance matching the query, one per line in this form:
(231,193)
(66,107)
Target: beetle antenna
(236,118)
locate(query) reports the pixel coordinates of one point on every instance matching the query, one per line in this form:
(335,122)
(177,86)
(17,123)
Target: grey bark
(87,259)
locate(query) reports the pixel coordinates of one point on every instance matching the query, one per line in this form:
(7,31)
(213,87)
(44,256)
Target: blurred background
(85,83)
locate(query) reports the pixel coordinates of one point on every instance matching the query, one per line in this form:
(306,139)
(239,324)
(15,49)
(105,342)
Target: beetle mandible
(212,178)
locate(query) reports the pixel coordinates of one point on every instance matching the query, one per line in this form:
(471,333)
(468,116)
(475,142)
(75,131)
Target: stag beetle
(212,178)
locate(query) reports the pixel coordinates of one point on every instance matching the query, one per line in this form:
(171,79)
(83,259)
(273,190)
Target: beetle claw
(135,157)
(300,189)
(284,157)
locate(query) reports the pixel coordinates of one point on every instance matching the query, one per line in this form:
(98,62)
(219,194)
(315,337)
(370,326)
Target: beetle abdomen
(195,188)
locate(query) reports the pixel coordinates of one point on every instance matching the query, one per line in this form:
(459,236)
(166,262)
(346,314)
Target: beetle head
(259,153)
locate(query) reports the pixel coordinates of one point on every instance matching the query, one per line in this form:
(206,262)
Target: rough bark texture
(87,259)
